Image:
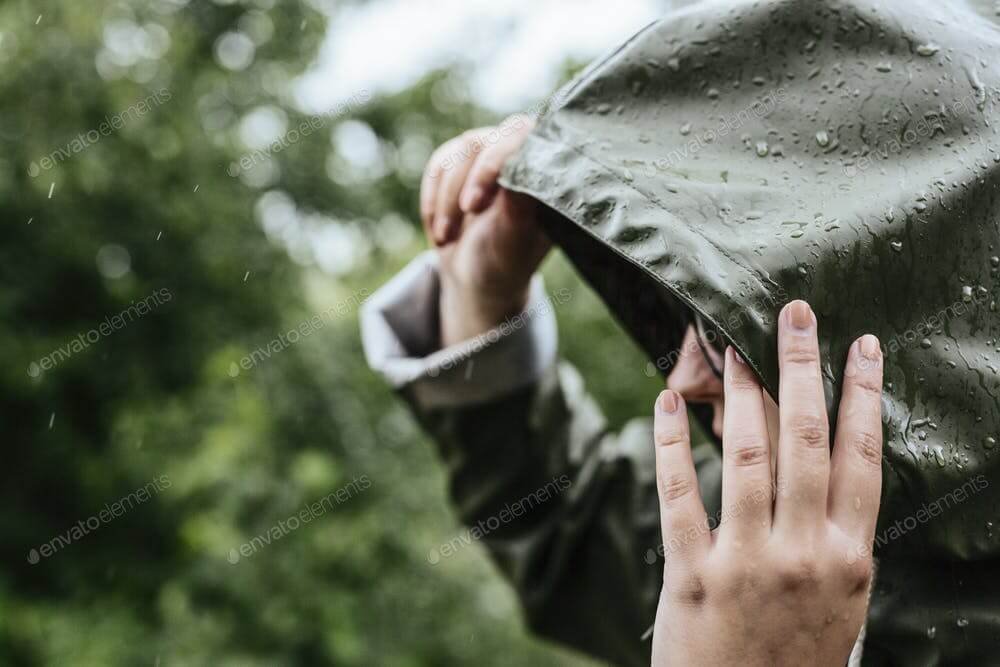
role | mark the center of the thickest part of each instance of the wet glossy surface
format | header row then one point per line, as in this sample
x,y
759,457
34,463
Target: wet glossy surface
x,y
737,157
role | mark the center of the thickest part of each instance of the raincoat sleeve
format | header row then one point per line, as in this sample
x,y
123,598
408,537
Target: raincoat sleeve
x,y
566,507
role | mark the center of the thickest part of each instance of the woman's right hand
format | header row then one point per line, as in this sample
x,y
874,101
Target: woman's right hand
x,y
488,239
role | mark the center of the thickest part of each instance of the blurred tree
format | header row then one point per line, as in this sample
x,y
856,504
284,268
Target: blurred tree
x,y
123,125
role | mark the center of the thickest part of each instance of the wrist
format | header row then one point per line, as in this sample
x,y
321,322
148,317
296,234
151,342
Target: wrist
x,y
467,313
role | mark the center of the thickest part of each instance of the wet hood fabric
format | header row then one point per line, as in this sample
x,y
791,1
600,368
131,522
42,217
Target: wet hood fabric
x,y
735,156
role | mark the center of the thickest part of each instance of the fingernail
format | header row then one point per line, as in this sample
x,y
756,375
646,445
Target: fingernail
x,y
869,347
800,315
735,355
668,401
471,197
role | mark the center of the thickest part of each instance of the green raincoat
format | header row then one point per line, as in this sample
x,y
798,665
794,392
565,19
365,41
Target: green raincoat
x,y
727,159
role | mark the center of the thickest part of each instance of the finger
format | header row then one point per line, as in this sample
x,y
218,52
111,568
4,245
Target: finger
x,y
856,465
447,213
501,142
431,181
682,515
746,459
804,441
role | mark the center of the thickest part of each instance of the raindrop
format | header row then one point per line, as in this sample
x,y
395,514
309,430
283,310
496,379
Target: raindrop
x,y
962,622
940,457
994,261
896,245
884,67
686,129
762,149
713,93
990,442
925,343
931,631
822,138
927,50
967,293
674,64
796,234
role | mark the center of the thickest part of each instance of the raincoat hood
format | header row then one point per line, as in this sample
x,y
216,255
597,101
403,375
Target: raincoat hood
x,y
735,156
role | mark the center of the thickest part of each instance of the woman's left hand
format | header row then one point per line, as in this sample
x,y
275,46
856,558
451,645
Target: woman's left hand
x,y
784,579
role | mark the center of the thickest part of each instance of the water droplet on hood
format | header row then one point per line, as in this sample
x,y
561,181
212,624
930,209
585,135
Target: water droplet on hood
x,y
822,138
927,50
762,149
884,67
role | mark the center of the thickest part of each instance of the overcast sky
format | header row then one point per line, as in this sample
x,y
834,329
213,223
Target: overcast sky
x,y
515,46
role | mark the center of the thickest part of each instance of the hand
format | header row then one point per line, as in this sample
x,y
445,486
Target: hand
x,y
489,240
773,585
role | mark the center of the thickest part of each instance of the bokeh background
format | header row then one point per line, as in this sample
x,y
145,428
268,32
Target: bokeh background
x,y
164,200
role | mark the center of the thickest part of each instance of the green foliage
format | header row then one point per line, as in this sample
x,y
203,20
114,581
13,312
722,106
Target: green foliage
x,y
151,206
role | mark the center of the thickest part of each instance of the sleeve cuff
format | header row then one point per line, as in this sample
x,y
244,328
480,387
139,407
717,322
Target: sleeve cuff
x,y
399,332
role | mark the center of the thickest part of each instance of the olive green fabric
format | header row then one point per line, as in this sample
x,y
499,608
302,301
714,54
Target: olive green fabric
x,y
735,156
567,509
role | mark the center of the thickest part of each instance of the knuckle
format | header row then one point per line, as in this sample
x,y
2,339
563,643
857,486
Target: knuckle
x,y
669,437
810,430
473,140
688,588
674,486
798,572
801,353
746,451
743,380
868,447
858,575
869,386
